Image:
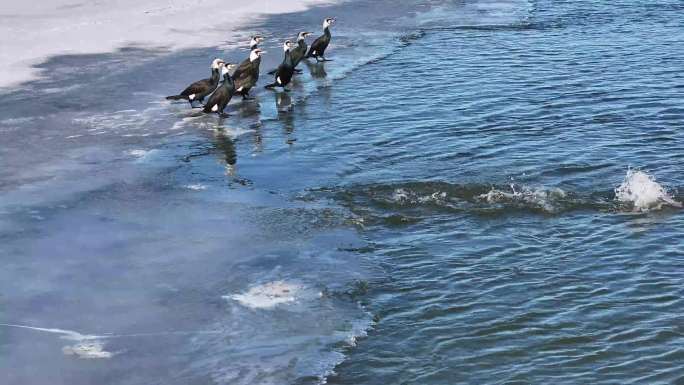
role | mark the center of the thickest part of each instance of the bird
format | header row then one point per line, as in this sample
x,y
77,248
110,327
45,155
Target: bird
x,y
255,41
221,97
299,51
201,88
285,70
319,45
247,73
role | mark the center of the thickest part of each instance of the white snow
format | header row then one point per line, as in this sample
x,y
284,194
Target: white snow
x,y
31,31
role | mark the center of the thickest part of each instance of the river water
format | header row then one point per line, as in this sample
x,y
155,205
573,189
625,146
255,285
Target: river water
x,y
471,192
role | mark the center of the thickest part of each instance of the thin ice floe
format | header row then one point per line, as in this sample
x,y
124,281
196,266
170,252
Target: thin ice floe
x,y
643,192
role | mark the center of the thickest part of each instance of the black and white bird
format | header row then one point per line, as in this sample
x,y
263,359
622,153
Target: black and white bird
x,y
285,70
221,97
319,45
255,41
247,73
201,88
299,51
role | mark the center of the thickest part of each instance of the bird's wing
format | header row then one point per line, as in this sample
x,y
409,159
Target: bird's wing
x,y
242,79
214,98
317,44
197,87
242,68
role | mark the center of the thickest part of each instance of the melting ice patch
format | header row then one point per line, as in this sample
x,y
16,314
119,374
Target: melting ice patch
x,y
643,192
271,294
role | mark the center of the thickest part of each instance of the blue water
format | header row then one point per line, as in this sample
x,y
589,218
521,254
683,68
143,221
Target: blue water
x,y
472,192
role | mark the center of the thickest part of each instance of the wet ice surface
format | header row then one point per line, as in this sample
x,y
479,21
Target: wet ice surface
x,y
483,229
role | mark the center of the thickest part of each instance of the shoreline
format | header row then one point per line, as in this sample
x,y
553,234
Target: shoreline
x,y
68,28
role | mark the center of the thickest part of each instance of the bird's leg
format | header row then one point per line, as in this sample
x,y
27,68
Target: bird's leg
x,y
324,59
223,114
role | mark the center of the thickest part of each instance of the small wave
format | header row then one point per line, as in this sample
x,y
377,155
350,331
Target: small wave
x,y
641,191
546,199
405,203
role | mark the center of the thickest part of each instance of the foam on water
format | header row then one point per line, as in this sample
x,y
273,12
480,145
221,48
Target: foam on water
x,y
643,192
196,187
87,349
271,294
86,345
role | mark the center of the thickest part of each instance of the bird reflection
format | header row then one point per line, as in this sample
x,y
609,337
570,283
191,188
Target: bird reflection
x,y
287,119
316,69
225,145
283,101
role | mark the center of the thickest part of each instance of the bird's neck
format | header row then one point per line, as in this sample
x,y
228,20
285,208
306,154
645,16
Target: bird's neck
x,y
326,31
215,75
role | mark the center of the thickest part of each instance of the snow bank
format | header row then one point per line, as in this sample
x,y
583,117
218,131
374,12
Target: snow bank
x,y
31,31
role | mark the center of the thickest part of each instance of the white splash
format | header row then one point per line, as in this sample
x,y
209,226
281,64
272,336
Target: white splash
x,y
641,190
403,196
268,295
540,197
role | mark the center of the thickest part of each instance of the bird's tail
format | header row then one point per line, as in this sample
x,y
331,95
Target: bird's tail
x,y
272,72
272,85
175,97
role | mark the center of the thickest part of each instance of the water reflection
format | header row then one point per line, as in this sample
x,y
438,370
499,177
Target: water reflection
x,y
317,70
283,101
